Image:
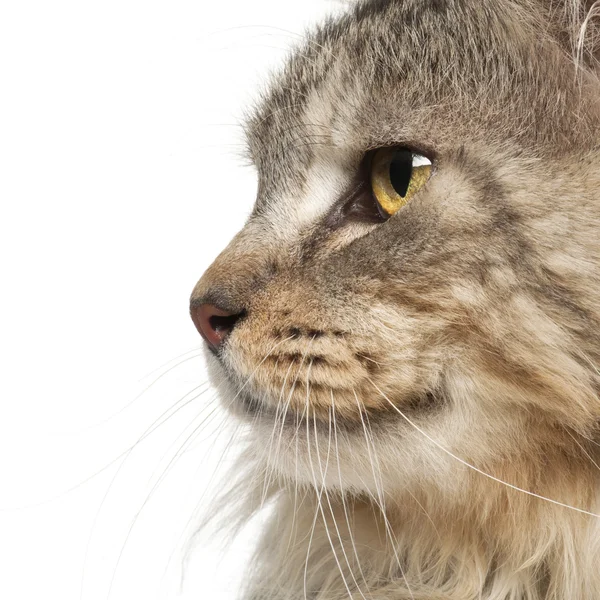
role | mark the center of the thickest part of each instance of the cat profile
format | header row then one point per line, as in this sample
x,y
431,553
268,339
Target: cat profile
x,y
409,322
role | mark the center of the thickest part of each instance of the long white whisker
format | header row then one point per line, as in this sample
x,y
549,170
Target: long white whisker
x,y
153,427
474,468
379,489
319,493
249,378
339,469
189,439
207,487
268,476
337,530
324,489
146,388
271,471
297,439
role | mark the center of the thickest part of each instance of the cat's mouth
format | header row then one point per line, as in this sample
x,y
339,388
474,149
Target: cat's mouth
x,y
290,385
327,384
254,409
290,419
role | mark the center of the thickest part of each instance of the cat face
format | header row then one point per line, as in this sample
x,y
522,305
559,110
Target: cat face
x,y
464,324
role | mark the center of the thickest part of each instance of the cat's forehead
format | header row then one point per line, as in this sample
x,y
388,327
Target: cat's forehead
x,y
427,74
330,94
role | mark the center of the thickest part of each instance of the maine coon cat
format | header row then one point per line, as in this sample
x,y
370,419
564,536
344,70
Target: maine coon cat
x,y
410,319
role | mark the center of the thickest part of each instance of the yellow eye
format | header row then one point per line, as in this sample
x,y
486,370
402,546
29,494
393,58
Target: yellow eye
x,y
397,174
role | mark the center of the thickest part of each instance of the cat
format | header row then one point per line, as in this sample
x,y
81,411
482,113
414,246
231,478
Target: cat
x,y
409,322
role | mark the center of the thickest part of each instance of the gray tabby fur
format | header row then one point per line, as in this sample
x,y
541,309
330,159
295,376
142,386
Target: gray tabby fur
x,y
422,393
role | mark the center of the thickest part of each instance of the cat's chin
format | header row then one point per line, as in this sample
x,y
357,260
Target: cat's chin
x,y
339,455
361,453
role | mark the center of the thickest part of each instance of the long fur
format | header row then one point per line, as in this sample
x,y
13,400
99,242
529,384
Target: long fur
x,y
422,394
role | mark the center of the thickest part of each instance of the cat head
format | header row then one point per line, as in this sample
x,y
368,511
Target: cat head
x,y
419,279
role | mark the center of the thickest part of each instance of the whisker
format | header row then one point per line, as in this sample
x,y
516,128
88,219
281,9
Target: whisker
x,y
287,404
272,436
477,470
297,440
153,427
150,494
319,493
197,349
144,390
293,387
324,489
342,494
379,489
248,379
174,458
200,501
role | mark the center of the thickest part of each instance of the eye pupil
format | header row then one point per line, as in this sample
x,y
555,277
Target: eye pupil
x,y
401,171
396,175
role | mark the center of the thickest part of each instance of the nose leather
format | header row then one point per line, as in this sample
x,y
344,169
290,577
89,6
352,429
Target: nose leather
x,y
213,323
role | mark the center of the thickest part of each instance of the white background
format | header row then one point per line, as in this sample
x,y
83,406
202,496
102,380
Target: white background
x,y
120,181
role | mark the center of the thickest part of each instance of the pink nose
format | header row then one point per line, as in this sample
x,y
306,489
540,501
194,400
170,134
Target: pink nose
x,y
214,324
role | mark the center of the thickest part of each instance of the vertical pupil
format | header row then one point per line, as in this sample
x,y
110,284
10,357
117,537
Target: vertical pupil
x,y
401,171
